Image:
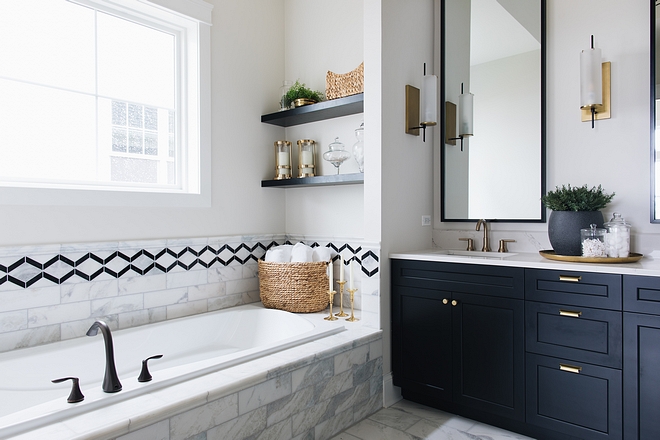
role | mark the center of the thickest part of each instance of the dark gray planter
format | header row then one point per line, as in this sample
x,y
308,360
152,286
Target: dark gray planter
x,y
564,229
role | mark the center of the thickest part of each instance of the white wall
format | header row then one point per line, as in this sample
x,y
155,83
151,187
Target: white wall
x,y
323,36
616,152
247,70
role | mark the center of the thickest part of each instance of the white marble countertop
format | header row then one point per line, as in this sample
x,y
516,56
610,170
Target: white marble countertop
x,y
646,266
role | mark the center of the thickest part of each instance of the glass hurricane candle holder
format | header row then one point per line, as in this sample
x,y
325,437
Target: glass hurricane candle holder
x,y
306,158
282,160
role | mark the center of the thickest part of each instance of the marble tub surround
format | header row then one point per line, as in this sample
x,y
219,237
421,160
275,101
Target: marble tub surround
x,y
312,391
55,292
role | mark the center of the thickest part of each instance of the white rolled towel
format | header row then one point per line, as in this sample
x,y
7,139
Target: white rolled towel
x,y
301,253
322,254
276,255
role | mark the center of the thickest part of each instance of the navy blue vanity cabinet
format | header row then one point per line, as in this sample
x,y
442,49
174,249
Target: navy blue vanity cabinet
x,y
458,337
574,360
641,322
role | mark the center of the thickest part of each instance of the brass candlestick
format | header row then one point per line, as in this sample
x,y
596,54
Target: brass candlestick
x,y
341,313
352,318
330,317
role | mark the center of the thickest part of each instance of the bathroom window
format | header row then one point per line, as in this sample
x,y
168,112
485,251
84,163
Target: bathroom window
x,y
101,95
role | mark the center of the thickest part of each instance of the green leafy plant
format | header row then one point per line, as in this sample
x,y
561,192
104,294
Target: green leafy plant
x,y
299,90
577,198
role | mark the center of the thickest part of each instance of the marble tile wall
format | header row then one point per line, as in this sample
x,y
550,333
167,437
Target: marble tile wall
x,y
55,292
300,401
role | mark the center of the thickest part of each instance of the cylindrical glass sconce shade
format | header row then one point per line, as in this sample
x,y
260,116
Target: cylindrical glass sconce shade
x,y
282,160
591,78
465,114
306,158
429,100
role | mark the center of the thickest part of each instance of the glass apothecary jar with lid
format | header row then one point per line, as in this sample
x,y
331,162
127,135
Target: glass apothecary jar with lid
x,y
618,237
593,241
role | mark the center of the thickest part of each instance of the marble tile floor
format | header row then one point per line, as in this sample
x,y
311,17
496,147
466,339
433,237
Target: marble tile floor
x,y
407,420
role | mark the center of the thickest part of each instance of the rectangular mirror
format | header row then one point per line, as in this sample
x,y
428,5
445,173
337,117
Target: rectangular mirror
x,y
495,50
655,82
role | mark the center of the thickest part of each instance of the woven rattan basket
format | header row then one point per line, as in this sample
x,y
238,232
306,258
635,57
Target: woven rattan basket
x,y
338,85
294,287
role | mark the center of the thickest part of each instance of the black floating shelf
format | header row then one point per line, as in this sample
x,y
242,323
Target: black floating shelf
x,y
302,182
335,108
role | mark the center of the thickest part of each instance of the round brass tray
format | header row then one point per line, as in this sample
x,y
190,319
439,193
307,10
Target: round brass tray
x,y
550,255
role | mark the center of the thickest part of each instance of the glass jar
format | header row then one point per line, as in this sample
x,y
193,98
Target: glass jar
x,y
336,154
358,147
593,241
618,237
286,85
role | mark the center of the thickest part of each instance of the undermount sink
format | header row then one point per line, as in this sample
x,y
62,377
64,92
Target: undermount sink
x,y
474,254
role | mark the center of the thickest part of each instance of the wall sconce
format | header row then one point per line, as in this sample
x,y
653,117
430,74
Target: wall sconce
x,y
465,118
429,105
595,78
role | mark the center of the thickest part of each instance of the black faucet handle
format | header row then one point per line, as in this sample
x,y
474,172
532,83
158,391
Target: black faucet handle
x,y
76,395
145,376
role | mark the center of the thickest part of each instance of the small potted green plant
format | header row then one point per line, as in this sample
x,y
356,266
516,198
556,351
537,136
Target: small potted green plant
x,y
573,208
299,95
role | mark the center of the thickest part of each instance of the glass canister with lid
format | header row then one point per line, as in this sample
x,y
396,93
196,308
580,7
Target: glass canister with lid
x,y
593,242
618,236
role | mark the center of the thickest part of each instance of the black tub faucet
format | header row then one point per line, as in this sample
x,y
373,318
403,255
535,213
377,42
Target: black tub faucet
x,y
111,382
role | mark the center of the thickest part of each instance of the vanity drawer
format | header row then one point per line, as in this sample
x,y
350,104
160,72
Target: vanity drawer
x,y
581,400
574,288
641,294
507,282
580,333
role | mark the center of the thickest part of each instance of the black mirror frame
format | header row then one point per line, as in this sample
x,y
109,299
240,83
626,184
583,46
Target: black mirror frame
x,y
652,112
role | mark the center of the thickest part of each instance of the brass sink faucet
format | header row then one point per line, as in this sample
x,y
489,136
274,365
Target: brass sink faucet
x,y
486,245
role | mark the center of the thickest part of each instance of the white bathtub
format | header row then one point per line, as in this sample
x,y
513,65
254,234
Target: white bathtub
x,y
191,347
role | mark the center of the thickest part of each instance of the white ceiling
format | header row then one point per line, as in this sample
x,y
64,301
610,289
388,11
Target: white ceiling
x,y
495,33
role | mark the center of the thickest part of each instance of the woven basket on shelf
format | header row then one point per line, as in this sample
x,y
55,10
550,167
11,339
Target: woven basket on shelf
x,y
294,287
339,85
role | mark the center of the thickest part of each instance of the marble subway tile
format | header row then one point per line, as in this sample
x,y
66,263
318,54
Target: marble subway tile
x,y
203,418
206,291
241,427
351,397
287,406
278,431
312,374
309,418
142,317
12,321
29,338
251,297
58,314
187,278
335,385
27,298
119,304
186,309
346,361
87,291
242,286
225,273
224,302
142,284
369,407
264,393
165,297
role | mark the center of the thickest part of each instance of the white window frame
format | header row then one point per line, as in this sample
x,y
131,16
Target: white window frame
x,y
194,17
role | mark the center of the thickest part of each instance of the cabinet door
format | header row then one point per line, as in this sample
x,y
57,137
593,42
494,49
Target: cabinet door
x,y
421,341
580,400
641,357
489,354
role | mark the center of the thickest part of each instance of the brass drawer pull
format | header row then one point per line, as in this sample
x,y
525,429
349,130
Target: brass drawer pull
x,y
570,368
570,278
571,313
